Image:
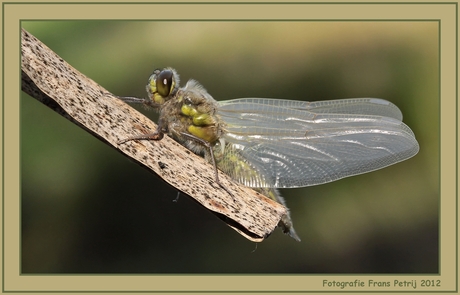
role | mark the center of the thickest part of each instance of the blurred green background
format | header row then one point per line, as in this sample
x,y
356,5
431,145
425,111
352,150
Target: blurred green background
x,y
87,209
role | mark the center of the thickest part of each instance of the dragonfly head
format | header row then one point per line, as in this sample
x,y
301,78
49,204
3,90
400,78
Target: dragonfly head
x,y
162,85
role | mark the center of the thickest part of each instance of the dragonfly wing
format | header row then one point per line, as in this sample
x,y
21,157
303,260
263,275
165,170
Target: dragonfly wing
x,y
358,106
295,144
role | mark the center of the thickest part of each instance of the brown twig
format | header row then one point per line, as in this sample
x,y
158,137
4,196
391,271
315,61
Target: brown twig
x,y
49,79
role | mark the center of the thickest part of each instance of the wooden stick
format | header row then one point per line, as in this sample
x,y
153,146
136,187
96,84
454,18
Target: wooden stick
x,y
49,79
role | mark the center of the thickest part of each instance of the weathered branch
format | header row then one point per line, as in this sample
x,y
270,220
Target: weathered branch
x,y
49,79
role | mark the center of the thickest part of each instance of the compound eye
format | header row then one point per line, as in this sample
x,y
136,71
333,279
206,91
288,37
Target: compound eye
x,y
164,82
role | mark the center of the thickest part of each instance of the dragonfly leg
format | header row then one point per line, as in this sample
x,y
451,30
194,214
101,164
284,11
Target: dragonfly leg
x,y
211,153
144,101
157,135
151,136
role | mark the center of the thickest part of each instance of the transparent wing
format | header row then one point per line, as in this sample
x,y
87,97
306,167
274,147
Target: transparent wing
x,y
296,143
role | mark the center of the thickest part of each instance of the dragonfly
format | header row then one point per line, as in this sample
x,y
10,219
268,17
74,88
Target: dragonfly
x,y
268,144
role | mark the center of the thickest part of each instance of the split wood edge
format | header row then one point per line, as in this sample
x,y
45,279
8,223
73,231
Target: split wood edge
x,y
49,79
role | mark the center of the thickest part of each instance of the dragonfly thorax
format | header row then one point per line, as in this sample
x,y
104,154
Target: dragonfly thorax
x,y
193,111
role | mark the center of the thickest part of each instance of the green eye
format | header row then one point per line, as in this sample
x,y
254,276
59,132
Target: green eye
x,y
164,82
